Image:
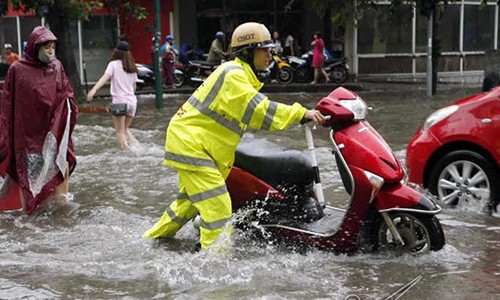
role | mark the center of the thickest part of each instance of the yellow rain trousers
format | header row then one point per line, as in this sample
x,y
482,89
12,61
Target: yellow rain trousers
x,y
201,141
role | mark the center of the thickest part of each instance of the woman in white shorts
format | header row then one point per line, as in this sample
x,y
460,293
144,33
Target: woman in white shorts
x,y
122,72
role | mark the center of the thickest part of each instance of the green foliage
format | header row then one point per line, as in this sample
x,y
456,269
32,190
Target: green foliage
x,y
136,11
79,9
72,9
343,11
3,7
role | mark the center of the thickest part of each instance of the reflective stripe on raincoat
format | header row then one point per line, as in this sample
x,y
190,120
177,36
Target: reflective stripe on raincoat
x,y
207,128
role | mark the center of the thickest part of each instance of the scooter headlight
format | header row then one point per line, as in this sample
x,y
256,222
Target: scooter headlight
x,y
358,108
439,115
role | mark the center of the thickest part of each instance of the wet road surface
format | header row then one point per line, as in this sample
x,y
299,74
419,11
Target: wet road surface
x,y
96,250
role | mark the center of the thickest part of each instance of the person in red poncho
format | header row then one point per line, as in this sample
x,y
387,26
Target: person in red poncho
x,y
38,115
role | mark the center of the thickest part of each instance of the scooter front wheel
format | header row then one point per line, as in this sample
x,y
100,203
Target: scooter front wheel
x,y
419,232
178,80
285,75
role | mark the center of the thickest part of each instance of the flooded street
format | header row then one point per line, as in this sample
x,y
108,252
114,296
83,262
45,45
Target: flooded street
x,y
96,251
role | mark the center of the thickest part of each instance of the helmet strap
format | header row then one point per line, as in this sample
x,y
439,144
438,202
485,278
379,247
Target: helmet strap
x,y
247,55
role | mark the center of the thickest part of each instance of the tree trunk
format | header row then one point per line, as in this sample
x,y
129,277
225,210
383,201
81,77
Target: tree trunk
x,y
436,50
60,25
327,29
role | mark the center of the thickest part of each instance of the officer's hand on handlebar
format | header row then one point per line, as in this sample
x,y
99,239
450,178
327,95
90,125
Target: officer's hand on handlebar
x,y
315,116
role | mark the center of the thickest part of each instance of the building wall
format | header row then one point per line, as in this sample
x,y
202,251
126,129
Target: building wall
x,y
399,45
186,22
373,46
199,22
93,41
140,33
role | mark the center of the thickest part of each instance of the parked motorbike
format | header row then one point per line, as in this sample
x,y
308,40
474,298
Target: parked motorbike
x,y
278,69
336,68
146,76
280,189
197,71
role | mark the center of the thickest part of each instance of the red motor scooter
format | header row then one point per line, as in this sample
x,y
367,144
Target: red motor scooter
x,y
280,189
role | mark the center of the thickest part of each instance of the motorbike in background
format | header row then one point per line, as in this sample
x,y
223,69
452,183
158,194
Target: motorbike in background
x,y
278,69
146,76
278,190
197,71
336,68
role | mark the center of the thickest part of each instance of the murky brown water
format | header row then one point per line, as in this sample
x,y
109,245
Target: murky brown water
x,y
97,251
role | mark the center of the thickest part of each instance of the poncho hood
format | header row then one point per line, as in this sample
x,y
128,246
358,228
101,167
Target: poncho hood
x,y
38,36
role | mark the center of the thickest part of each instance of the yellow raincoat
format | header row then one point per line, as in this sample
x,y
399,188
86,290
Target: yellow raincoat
x,y
201,142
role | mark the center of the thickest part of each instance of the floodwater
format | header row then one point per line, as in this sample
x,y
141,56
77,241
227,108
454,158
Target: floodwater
x,y
96,250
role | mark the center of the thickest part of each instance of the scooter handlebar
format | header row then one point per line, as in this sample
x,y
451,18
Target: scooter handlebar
x,y
305,121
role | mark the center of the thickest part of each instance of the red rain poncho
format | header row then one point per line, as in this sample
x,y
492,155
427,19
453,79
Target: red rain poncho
x,y
38,115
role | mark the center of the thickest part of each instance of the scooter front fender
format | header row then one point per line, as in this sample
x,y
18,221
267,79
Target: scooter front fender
x,y
282,64
404,198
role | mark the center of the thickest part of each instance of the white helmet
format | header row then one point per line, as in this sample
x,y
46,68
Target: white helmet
x,y
251,35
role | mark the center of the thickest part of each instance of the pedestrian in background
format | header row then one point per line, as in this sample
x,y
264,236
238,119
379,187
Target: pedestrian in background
x,y
169,53
318,57
122,72
216,53
10,56
187,53
277,43
289,48
38,115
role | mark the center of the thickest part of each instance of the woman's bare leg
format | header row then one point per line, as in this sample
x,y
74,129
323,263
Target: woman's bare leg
x,y
324,74
130,137
316,74
21,198
119,122
63,188
58,199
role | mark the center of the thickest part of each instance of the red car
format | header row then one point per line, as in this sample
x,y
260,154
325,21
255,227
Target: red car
x,y
455,153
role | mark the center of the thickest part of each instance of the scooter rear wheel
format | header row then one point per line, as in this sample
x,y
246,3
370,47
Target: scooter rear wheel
x,y
338,74
420,233
302,74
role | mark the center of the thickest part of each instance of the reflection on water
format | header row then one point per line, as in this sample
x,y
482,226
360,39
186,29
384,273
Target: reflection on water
x,y
96,252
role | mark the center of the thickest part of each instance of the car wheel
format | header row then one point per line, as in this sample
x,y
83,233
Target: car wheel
x,y
465,178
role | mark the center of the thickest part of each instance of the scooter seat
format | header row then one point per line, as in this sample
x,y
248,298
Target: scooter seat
x,y
204,63
274,164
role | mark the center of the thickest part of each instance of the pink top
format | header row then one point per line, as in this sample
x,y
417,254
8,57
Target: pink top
x,y
317,61
122,83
